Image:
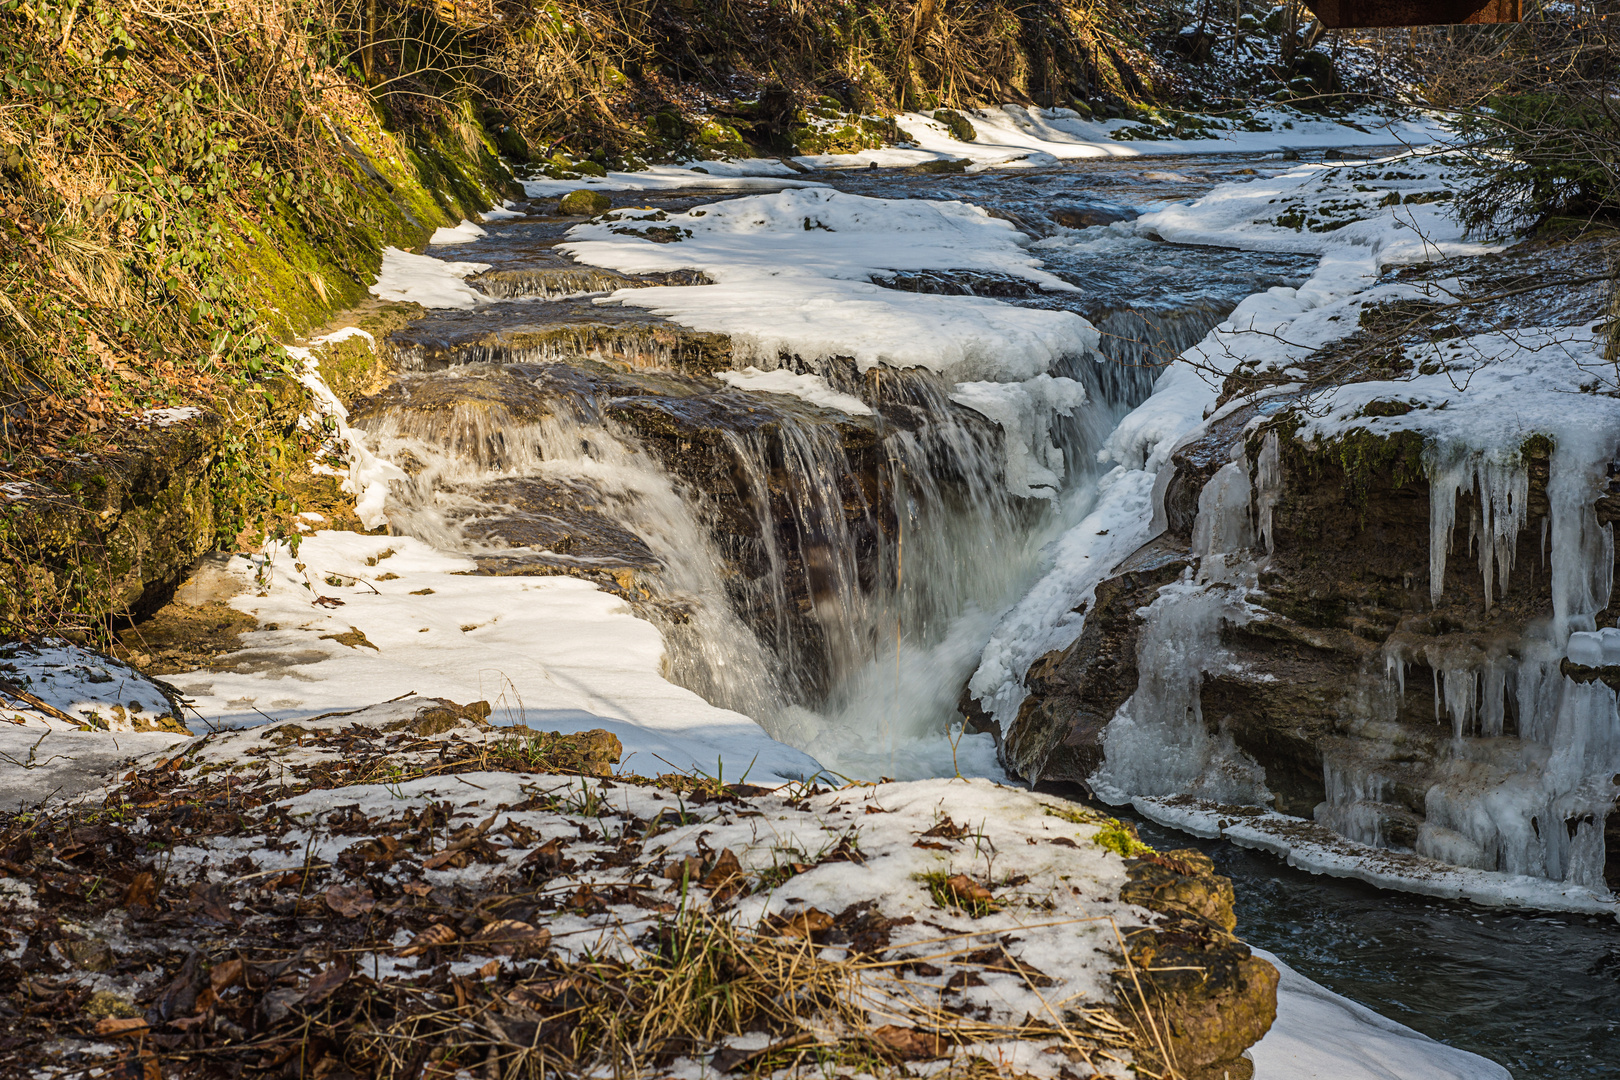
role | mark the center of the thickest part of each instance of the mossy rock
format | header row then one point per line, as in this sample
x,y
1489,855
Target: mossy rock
x,y
584,202
961,128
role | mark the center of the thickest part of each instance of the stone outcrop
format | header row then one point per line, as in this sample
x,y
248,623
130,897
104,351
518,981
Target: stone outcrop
x,y
1195,993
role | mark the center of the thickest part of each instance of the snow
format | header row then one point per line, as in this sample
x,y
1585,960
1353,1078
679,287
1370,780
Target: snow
x,y
96,689
169,417
1019,136
793,277
464,233
742,174
422,279
811,388
555,653
1270,330
369,475
1319,1035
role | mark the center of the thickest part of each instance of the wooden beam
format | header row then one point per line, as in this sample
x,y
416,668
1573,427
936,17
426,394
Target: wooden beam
x,y
1363,14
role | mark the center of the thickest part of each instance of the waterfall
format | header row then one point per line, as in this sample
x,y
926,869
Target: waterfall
x,y
835,579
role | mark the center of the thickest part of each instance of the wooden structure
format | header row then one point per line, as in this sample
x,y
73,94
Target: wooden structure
x,y
1360,14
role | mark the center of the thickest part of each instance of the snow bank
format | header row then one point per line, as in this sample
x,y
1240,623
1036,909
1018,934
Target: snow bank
x,y
1319,1035
1018,135
554,652
464,233
422,279
96,690
793,277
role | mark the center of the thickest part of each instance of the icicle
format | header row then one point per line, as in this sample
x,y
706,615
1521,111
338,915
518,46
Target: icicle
x,y
1500,490
1493,702
1268,486
1223,523
1157,743
1582,550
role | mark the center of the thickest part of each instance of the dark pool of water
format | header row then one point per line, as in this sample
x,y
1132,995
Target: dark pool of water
x,y
1538,993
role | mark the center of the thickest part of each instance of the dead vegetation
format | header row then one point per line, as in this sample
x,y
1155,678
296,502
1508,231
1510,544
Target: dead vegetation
x,y
361,967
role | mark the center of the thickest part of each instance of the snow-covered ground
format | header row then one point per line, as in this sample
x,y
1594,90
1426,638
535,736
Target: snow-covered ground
x,y
355,619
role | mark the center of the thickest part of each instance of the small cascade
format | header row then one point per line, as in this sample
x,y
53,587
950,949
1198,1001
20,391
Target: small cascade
x,y
823,573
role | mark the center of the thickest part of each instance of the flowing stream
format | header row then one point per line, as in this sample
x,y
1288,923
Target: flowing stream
x,y
837,578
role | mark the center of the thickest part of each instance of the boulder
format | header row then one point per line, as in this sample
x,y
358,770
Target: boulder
x,y
584,203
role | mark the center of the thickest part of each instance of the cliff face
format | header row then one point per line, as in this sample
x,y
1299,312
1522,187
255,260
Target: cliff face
x,y
1400,682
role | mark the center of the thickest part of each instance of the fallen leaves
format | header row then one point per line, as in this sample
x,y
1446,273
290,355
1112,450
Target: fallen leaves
x,y
433,937
350,901
122,1027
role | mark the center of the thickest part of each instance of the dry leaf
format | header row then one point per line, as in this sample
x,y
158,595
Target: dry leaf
x,y
350,901
966,888
121,1025
724,869
226,975
508,937
322,985
909,1044
143,890
434,936
804,923
490,970
417,888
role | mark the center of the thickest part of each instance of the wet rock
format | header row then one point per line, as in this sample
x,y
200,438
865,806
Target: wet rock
x,y
1074,692
584,202
558,517
935,168
486,394
562,330
1084,217
550,282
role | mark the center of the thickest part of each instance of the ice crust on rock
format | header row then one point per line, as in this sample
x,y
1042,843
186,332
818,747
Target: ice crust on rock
x,y
1025,411
793,277
806,387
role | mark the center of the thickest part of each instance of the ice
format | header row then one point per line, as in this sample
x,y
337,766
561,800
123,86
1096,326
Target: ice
x,y
1225,523
422,279
1498,488
1586,647
807,387
1319,1035
793,282
1157,744
369,476
1268,483
1025,411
